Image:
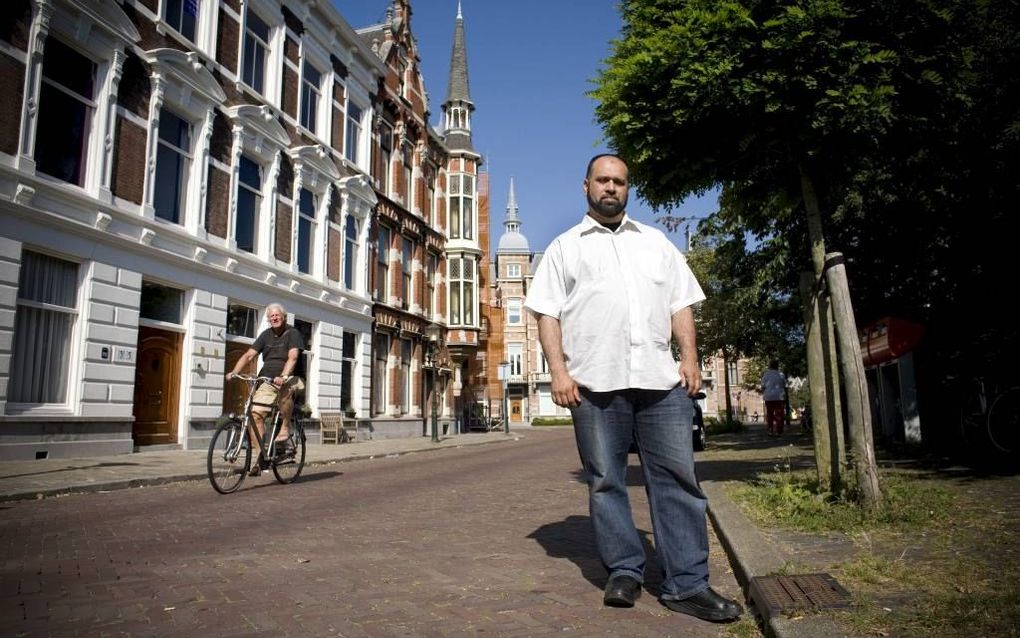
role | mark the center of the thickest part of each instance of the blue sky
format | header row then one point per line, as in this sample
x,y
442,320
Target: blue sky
x,y
530,63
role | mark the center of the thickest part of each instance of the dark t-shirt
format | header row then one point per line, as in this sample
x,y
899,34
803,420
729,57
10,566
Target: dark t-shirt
x,y
274,349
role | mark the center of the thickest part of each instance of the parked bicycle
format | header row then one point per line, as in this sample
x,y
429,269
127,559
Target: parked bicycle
x,y
991,415
230,450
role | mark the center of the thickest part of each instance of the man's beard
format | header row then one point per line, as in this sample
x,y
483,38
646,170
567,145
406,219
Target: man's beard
x,y
608,209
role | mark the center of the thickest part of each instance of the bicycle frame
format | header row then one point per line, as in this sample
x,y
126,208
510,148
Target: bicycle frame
x,y
248,419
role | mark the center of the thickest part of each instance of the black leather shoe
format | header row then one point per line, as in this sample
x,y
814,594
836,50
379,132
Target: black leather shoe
x,y
622,591
707,605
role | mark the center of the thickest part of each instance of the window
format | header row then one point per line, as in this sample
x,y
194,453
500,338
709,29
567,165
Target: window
x,y
66,108
429,205
543,363
44,322
350,251
406,263
256,50
242,326
242,321
249,202
515,356
305,230
173,159
386,145
311,88
352,139
513,311
382,350
462,207
432,266
732,372
513,270
305,328
462,291
347,367
182,15
404,382
382,275
161,303
408,181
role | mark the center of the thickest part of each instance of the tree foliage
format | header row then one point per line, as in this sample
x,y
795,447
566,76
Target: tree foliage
x,y
905,114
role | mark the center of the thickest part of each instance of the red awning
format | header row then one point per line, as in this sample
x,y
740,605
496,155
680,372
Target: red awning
x,y
887,339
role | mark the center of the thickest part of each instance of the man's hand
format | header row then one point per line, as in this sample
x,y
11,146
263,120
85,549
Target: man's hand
x,y
564,391
228,376
690,376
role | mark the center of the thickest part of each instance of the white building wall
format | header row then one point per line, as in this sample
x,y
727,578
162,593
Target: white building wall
x,y
10,266
205,362
329,367
111,339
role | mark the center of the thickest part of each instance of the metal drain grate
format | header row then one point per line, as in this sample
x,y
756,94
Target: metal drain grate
x,y
803,592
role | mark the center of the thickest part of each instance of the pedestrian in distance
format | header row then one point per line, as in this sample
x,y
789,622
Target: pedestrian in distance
x,y
773,390
607,296
280,346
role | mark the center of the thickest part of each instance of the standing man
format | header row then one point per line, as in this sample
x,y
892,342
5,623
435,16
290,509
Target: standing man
x,y
280,346
607,296
773,390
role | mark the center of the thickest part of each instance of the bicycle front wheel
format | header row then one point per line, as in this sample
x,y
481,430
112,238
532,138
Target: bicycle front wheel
x,y
229,457
290,458
1004,421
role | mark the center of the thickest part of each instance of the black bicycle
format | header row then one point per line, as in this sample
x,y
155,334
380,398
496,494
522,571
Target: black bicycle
x,y
991,414
230,450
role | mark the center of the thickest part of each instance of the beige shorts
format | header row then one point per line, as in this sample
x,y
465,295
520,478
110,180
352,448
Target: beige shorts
x,y
266,394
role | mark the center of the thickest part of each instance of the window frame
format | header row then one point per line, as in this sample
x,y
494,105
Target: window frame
x,y
314,124
84,168
184,177
354,144
513,305
406,271
382,260
380,377
311,218
257,210
72,355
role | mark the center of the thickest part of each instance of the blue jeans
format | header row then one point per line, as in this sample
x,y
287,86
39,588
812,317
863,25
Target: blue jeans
x,y
659,421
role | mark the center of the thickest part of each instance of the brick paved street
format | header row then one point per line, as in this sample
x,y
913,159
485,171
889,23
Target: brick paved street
x,y
487,540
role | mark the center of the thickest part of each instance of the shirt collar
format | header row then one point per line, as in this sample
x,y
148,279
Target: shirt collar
x,y
588,225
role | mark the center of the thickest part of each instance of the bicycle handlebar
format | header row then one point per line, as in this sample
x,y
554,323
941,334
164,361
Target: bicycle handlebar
x,y
253,379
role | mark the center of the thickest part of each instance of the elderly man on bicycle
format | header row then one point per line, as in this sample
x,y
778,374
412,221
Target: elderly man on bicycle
x,y
280,346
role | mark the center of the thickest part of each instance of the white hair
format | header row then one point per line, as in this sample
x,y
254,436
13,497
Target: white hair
x,y
278,306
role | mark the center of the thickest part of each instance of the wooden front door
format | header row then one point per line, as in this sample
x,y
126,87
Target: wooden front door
x,y
236,392
157,386
515,410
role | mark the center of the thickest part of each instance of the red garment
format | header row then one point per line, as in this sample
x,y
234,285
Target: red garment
x,y
775,416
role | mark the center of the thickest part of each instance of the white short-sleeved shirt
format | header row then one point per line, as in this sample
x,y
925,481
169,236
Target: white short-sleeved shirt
x,y
614,293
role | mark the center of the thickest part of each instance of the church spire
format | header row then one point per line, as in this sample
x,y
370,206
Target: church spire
x,y
457,107
513,222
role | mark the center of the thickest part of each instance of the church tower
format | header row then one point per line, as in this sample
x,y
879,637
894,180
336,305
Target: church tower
x,y
467,245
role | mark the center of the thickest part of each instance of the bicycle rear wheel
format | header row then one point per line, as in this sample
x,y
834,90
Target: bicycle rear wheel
x,y
1004,421
229,457
290,458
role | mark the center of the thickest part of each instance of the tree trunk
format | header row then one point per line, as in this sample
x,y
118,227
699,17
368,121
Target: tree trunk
x,y
861,440
726,387
828,469
837,442
863,459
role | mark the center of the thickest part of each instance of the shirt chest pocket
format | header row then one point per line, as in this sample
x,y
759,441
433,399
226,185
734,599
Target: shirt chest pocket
x,y
652,270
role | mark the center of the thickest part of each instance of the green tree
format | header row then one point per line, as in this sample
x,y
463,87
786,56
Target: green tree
x,y
893,126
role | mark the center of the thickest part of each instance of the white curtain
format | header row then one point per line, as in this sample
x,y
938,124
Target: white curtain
x,y
47,290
